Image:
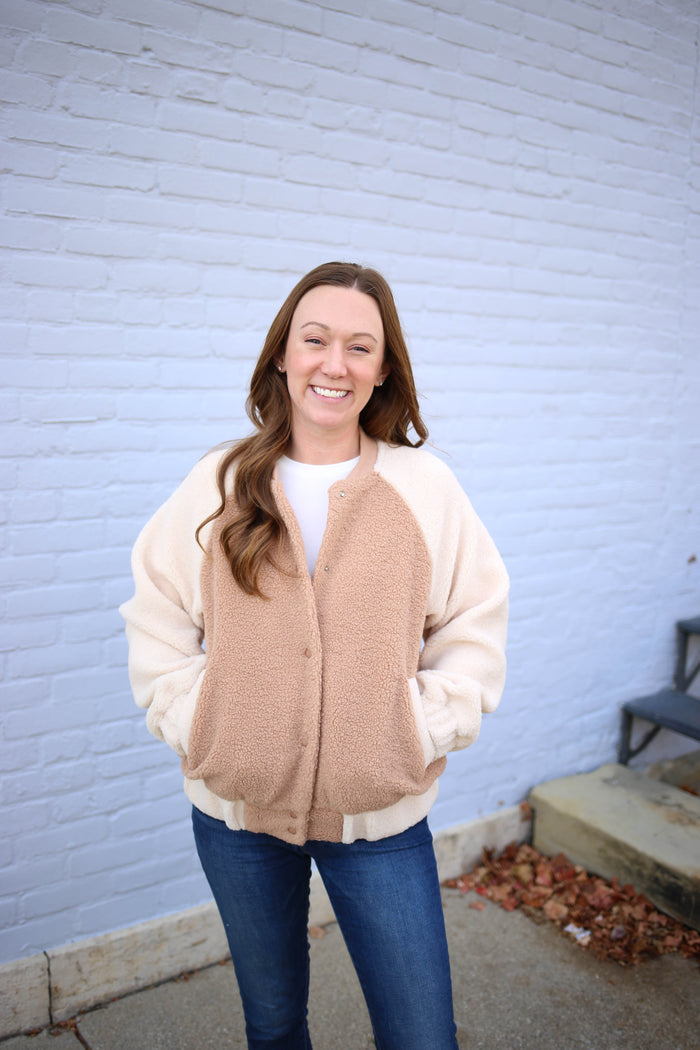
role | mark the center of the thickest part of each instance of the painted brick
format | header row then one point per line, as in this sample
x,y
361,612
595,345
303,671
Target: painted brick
x,y
31,161
243,157
99,103
260,192
56,129
144,78
119,243
198,88
44,56
18,14
289,13
408,16
260,69
299,47
200,184
179,18
22,196
109,172
22,89
102,33
217,24
149,211
149,278
470,32
72,273
28,234
349,25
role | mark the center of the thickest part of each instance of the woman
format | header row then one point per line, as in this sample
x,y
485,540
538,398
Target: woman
x,y
353,610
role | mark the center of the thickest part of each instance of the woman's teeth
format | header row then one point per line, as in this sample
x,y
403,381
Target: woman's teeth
x,y
325,392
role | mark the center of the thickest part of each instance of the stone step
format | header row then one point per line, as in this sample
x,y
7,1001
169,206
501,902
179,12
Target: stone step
x,y
620,822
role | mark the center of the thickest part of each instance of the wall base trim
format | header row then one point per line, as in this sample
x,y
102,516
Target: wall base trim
x,y
57,984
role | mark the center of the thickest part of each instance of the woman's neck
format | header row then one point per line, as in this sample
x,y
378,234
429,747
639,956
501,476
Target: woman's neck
x,y
324,448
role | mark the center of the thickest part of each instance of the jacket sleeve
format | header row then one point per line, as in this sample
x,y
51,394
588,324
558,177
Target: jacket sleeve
x,y
462,664
164,620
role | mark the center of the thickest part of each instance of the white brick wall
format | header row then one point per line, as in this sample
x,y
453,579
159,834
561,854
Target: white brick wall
x,y
526,175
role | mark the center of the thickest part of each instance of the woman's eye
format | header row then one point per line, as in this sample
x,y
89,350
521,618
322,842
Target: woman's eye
x,y
360,349
313,341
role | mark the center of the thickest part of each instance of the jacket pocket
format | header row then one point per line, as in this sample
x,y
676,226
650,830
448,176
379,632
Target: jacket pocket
x,y
375,749
429,752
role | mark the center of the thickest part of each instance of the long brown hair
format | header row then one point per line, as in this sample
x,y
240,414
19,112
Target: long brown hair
x,y
257,527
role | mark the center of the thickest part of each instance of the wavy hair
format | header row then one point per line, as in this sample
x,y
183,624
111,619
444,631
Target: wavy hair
x,y
257,528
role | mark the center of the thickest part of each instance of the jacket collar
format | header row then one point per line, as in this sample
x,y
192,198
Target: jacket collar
x,y
365,464
368,457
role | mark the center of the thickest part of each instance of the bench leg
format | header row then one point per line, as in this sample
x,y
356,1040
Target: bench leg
x,y
623,751
679,678
684,676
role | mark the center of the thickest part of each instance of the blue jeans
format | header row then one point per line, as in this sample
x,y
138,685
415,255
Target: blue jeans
x,y
386,898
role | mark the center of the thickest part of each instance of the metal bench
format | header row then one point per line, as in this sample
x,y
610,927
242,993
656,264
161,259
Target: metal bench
x,y
669,708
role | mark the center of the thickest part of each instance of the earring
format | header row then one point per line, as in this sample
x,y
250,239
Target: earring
x,y
279,368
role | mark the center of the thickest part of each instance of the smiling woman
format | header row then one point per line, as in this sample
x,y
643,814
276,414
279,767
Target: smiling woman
x,y
312,649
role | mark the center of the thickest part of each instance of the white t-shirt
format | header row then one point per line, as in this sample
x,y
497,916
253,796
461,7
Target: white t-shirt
x,y
306,487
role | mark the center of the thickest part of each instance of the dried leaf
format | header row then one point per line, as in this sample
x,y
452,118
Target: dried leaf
x,y
562,868
544,875
501,893
555,910
524,873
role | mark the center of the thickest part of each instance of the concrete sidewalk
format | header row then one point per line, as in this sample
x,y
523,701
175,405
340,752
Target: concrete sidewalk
x,y
517,985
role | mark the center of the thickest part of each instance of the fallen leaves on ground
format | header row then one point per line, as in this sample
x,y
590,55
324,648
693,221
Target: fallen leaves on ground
x,y
611,921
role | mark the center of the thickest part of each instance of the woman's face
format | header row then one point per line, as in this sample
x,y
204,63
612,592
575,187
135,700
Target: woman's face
x,y
334,358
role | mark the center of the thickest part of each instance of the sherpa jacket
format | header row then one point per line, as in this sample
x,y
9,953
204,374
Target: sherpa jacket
x,y
327,710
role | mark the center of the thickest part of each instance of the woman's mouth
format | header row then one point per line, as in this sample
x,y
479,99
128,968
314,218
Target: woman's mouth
x,y
324,391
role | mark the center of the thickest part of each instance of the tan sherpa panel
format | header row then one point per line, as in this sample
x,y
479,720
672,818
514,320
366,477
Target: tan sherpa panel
x,y
305,703
371,582
255,729
462,665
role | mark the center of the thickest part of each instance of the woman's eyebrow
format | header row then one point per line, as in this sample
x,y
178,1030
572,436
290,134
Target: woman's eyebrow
x,y
327,328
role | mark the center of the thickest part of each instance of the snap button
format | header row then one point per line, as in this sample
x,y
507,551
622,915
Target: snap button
x,y
293,816
292,830
341,494
325,568
307,652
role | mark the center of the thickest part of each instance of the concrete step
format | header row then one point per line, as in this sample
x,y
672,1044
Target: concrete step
x,y
620,822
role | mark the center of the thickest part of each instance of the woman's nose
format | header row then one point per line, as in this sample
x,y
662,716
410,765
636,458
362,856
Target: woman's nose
x,y
334,361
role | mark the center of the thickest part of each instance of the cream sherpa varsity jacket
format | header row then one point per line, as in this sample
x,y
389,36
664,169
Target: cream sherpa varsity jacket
x,y
327,710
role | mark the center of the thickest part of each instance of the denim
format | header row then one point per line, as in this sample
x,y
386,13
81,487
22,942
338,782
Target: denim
x,y
386,898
